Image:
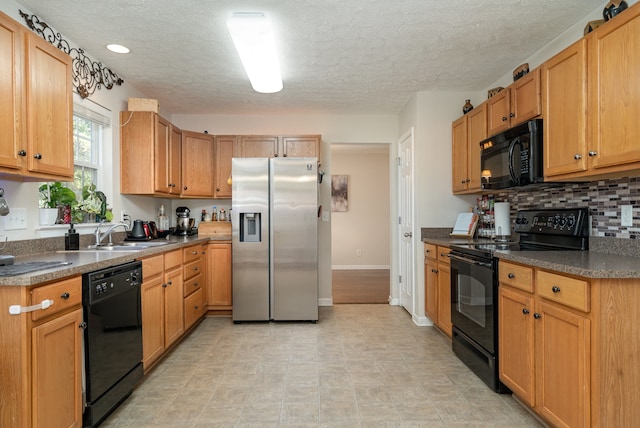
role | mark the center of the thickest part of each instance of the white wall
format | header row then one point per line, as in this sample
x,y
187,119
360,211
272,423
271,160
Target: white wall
x,y
365,226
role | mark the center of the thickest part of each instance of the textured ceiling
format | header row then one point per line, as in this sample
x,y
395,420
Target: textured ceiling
x,y
355,56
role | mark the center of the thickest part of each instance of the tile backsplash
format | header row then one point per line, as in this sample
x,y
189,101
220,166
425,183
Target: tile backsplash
x,y
604,199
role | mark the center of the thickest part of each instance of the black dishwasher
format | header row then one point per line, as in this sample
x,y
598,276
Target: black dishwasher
x,y
112,338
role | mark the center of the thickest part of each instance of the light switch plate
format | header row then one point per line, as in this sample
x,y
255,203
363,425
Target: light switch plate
x,y
16,219
626,215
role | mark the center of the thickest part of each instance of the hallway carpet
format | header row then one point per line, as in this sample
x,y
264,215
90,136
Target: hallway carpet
x,y
359,366
360,286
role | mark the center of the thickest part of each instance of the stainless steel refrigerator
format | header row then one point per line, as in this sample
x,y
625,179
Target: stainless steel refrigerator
x,y
275,239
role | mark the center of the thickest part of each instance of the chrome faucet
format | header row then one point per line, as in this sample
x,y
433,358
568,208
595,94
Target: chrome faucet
x,y
100,237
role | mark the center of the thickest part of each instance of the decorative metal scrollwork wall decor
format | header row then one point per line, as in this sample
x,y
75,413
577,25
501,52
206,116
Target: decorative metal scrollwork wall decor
x,y
88,75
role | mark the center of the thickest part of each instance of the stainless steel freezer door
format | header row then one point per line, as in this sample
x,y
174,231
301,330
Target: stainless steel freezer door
x,y
250,258
294,239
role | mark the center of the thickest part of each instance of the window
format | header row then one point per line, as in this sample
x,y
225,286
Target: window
x,y
87,140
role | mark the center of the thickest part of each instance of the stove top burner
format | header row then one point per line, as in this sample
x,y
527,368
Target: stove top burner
x,y
540,230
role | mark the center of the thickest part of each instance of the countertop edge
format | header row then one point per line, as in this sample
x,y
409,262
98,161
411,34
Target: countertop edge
x,y
88,261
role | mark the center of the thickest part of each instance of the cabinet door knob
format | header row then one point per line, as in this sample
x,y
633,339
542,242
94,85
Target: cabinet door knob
x,y
537,316
37,156
577,156
185,187
217,189
592,153
82,325
434,270
512,115
462,182
22,152
525,311
64,296
196,307
164,285
511,276
555,289
504,118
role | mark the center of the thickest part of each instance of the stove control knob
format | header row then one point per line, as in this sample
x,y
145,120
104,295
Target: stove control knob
x,y
98,289
571,221
556,220
563,222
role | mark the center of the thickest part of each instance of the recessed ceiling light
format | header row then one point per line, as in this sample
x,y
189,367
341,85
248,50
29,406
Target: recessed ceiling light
x,y
118,48
253,38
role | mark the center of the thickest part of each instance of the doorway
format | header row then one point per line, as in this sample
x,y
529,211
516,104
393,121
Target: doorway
x,y
360,223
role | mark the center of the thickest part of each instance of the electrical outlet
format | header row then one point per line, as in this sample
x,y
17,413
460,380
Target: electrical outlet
x,y
626,215
16,219
358,252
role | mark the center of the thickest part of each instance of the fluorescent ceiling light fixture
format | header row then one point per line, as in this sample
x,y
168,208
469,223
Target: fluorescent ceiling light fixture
x,y
253,38
118,48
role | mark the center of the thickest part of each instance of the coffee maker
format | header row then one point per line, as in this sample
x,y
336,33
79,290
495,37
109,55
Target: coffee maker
x,y
184,223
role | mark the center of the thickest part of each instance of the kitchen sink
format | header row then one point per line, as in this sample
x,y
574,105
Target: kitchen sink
x,y
143,243
118,247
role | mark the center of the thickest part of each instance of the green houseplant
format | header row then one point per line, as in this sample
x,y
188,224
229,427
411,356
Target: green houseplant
x,y
93,206
52,197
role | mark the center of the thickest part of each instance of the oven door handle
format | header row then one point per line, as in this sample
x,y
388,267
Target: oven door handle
x,y
470,261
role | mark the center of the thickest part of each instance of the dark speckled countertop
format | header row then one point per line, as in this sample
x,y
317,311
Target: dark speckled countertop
x,y
608,257
87,261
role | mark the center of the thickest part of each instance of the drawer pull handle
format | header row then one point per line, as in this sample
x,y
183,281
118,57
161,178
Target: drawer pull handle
x,y
194,252
64,296
525,311
511,276
555,289
195,268
195,284
537,316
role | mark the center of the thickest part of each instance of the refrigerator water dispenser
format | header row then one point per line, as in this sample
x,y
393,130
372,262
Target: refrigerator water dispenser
x,y
250,227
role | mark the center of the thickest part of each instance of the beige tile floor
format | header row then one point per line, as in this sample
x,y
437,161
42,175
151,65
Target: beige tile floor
x,y
360,366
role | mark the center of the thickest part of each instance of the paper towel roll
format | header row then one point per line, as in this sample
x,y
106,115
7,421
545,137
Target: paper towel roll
x,y
503,222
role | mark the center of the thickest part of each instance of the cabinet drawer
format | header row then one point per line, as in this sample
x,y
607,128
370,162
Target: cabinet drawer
x,y
193,308
193,268
516,276
191,253
568,291
172,259
430,251
65,294
443,255
193,284
152,266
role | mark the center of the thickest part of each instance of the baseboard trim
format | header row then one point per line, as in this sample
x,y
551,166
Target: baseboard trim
x,y
422,321
359,267
325,301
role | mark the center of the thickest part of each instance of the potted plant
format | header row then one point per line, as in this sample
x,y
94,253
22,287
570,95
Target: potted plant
x,y
52,197
93,207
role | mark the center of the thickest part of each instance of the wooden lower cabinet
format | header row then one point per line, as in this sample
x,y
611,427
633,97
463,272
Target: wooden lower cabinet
x,y
41,356
568,347
438,287
219,293
195,279
162,304
56,361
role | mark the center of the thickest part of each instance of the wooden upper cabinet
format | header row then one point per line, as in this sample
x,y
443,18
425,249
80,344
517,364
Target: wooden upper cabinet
x,y
49,108
36,107
175,160
11,94
226,147
197,165
614,97
258,146
302,147
467,132
459,155
564,83
146,157
519,102
162,155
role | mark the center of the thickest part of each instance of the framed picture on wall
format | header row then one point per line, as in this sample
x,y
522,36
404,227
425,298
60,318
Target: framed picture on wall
x,y
339,193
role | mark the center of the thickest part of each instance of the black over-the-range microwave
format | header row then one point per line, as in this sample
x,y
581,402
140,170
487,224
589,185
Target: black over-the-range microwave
x,y
513,158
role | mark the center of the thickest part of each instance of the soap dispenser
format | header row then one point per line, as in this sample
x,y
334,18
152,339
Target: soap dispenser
x,y
72,239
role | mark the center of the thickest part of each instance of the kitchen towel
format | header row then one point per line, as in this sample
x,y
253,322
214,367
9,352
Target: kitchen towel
x,y
502,218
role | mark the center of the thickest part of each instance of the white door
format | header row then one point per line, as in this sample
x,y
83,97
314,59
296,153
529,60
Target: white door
x,y
405,222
